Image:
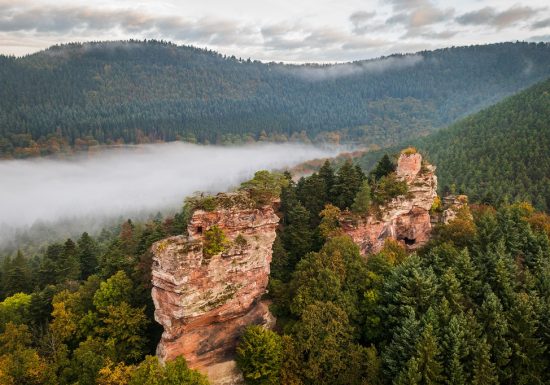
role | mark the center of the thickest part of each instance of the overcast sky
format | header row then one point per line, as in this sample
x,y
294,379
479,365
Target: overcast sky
x,y
280,30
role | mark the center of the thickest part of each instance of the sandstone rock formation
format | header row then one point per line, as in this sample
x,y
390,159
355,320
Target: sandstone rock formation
x,y
204,301
405,218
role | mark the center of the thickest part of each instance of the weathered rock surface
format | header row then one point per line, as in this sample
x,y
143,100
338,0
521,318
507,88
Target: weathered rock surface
x,y
405,218
204,302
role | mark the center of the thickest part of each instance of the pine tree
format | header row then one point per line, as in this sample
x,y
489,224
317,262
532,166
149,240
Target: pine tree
x,y
297,237
527,362
348,182
484,371
17,275
312,194
495,327
362,200
326,172
69,261
384,167
454,351
87,256
399,351
427,354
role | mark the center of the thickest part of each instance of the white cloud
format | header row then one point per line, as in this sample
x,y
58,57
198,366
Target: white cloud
x,y
288,30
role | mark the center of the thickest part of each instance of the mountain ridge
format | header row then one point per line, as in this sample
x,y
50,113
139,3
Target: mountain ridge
x,y
78,95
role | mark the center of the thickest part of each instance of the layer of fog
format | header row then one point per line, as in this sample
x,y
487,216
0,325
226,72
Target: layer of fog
x,y
134,180
313,72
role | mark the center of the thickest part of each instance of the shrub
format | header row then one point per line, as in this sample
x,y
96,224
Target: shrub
x,y
200,202
409,151
215,241
389,187
265,186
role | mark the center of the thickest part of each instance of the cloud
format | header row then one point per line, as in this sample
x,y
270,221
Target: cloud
x,y
498,19
416,16
81,19
541,24
443,35
361,21
136,178
330,72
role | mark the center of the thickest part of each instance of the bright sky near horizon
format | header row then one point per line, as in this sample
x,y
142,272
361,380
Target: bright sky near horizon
x,y
281,30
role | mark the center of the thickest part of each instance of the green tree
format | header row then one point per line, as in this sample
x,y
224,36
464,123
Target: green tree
x,y
19,363
69,263
495,327
87,256
427,354
362,200
297,237
123,327
323,339
259,356
17,275
15,309
176,372
484,370
113,291
326,172
348,183
384,167
265,186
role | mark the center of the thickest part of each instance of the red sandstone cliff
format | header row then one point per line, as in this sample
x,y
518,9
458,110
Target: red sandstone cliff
x,y
405,218
203,302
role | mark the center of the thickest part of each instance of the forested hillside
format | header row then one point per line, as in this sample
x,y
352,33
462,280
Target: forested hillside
x,y
498,154
78,95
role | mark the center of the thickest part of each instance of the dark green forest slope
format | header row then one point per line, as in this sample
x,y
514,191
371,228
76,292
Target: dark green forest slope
x,y
500,153
79,95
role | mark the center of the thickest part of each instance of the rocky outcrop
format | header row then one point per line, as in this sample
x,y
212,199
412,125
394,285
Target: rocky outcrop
x,y
405,218
204,301
452,204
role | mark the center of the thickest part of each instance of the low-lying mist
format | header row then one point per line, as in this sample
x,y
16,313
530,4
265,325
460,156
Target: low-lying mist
x,y
129,180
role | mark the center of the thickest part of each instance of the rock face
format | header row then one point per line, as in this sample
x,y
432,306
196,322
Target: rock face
x,y
204,302
405,218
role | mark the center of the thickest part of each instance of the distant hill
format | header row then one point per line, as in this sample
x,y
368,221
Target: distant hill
x,y
78,95
502,152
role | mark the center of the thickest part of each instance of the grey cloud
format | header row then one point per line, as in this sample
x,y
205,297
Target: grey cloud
x,y
417,15
361,21
439,35
541,24
499,19
64,20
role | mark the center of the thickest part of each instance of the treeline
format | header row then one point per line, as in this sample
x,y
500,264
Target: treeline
x,y
471,307
76,96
